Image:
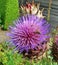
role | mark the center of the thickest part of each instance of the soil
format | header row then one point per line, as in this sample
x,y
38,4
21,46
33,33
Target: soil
x,y
3,36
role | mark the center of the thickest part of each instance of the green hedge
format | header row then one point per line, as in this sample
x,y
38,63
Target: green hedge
x,y
10,11
2,10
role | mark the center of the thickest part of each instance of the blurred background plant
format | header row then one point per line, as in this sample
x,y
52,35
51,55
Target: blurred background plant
x,y
2,10
0,21
54,48
9,11
9,57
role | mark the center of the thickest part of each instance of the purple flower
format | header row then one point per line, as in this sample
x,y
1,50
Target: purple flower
x,y
29,32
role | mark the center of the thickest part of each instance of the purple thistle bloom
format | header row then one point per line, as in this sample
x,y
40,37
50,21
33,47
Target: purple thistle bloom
x,y
29,32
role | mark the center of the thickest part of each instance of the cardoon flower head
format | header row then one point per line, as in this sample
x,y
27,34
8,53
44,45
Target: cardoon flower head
x,y
32,8
30,33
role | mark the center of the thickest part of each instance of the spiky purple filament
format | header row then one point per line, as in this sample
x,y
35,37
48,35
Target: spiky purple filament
x,y
29,33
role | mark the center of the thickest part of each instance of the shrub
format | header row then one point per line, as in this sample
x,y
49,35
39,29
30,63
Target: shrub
x,y
2,10
9,11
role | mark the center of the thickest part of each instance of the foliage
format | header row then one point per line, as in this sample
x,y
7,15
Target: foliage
x,y
9,10
54,48
7,57
0,21
44,61
2,10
